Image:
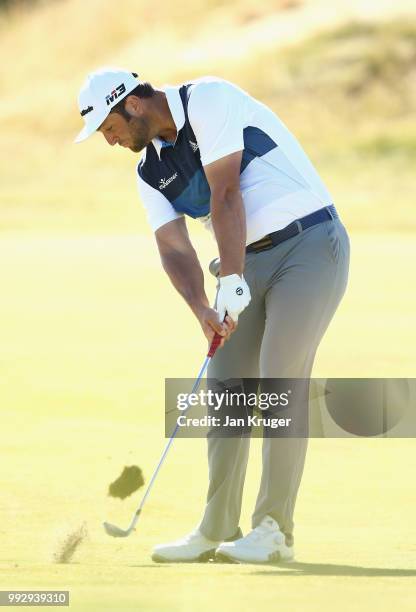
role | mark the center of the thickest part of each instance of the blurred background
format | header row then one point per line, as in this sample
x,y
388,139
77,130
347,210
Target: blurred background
x,y
90,326
341,74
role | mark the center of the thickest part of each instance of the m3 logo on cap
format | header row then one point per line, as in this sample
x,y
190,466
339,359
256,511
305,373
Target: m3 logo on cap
x,y
120,89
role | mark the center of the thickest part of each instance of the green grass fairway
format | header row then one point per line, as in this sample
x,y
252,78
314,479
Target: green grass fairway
x,y
90,329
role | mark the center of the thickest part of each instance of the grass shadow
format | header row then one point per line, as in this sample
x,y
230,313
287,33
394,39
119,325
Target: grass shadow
x,y
302,569
328,569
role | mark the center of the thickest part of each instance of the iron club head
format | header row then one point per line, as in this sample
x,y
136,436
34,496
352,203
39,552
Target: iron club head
x,y
117,532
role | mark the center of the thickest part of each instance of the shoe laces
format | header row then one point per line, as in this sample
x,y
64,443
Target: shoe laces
x,y
257,533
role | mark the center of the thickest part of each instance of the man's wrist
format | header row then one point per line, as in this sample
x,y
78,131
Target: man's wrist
x,y
228,270
199,307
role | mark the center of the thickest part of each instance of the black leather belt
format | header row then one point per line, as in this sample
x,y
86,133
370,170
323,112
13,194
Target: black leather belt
x,y
293,229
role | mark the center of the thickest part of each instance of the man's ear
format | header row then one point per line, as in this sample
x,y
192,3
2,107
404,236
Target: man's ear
x,y
133,106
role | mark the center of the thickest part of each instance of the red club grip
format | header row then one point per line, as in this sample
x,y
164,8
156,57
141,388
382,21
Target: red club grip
x,y
214,345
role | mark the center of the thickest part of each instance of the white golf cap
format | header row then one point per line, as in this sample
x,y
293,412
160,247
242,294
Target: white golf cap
x,y
102,90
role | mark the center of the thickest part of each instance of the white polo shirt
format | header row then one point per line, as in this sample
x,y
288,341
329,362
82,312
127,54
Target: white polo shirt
x,y
278,182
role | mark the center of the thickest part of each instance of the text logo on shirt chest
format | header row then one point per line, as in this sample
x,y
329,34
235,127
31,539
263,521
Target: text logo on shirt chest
x,y
163,183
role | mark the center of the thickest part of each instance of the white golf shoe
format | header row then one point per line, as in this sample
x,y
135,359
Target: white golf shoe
x,y
264,544
194,547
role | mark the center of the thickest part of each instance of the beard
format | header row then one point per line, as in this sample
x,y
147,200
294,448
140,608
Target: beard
x,y
139,134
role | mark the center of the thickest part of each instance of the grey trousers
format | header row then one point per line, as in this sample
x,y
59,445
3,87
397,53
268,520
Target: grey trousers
x,y
296,288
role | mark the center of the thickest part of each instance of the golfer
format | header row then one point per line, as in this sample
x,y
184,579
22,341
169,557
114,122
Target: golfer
x,y
213,152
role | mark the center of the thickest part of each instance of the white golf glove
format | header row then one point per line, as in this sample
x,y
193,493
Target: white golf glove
x,y
233,296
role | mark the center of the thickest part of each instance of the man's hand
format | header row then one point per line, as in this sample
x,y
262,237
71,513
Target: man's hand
x,y
233,296
182,266
211,324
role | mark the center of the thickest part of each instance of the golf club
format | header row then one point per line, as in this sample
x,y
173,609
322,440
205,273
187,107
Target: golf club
x,y
117,532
